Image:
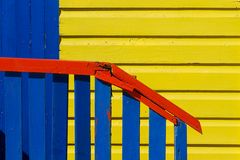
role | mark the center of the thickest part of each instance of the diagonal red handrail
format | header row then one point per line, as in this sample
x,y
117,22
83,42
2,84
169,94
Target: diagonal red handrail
x,y
109,73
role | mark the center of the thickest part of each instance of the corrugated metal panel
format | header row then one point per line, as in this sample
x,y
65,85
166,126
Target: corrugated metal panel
x,y
189,51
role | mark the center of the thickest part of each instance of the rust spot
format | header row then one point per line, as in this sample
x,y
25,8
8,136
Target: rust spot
x,y
109,115
105,66
134,76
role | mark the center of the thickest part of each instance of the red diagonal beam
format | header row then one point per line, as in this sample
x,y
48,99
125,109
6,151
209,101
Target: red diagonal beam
x,y
157,99
107,77
109,73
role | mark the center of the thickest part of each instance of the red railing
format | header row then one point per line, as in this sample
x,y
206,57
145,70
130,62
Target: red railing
x,y
107,74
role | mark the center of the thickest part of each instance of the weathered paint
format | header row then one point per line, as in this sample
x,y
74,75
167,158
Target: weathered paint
x,y
180,141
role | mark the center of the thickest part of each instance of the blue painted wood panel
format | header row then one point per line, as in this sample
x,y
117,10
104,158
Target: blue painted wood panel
x,y
82,117
2,119
49,110
180,141
51,29
36,86
131,128
23,50
51,51
9,28
36,102
60,114
23,28
102,120
37,28
157,136
12,104
38,39
9,49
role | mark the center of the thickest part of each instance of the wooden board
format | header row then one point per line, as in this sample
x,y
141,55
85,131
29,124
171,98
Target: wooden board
x,y
189,78
215,132
201,105
149,4
150,23
158,50
194,153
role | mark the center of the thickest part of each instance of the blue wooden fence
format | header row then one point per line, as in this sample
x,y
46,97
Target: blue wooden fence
x,y
33,107
38,127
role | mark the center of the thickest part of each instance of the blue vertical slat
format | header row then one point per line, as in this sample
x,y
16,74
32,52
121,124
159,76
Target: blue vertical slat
x,y
51,52
51,29
2,120
12,103
60,115
23,28
25,116
9,28
11,83
36,86
130,128
82,118
102,120
23,50
36,103
49,115
37,26
157,136
180,144
2,134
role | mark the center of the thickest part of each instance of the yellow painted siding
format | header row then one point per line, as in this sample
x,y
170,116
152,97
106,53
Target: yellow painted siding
x,y
149,4
196,153
228,133
202,105
188,51
150,23
190,78
162,50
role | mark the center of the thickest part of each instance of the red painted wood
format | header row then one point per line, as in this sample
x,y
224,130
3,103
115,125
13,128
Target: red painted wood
x,y
158,99
109,73
49,66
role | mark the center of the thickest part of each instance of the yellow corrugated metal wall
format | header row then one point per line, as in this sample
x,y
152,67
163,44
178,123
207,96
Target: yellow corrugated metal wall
x,y
187,50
